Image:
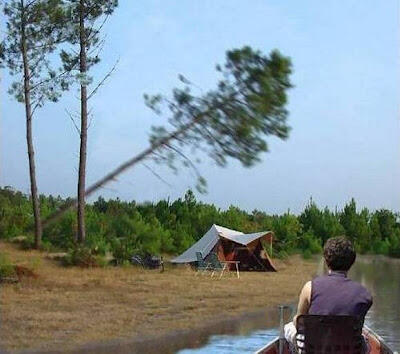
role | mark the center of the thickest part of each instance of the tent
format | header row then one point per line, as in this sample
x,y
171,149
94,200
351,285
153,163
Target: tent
x,y
232,245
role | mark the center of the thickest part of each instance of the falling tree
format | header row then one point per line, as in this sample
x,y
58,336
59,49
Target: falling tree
x,y
34,30
86,20
231,121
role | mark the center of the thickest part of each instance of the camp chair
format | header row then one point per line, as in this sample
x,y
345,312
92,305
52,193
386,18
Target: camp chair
x,y
329,334
216,265
202,266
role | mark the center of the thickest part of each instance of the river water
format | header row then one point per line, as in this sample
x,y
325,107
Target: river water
x,y
380,275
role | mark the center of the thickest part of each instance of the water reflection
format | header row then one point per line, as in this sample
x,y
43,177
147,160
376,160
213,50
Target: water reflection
x,y
381,276
235,344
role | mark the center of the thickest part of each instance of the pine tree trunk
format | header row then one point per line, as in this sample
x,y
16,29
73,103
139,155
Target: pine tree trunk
x,y
84,119
29,140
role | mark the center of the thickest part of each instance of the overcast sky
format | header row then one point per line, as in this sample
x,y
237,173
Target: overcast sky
x,y
344,109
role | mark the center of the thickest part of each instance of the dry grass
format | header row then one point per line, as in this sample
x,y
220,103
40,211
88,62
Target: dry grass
x,y
69,306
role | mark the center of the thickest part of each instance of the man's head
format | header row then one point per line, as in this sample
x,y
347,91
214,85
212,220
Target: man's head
x,y
339,253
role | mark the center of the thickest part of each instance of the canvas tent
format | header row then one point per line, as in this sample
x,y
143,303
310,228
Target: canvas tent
x,y
232,245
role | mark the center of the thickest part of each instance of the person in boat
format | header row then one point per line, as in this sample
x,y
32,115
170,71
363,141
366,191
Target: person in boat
x,y
334,293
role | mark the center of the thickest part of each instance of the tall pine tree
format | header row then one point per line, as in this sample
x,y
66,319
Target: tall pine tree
x,y
86,20
34,30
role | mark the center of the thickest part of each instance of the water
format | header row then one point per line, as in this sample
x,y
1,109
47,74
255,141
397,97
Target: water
x,y
235,344
378,274
381,276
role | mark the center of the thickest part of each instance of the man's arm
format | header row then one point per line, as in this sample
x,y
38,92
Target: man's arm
x,y
304,301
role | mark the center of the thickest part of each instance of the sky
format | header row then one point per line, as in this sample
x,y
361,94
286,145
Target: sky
x,y
344,108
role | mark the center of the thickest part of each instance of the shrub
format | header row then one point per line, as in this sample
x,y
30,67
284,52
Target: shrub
x,y
308,242
307,254
81,256
27,243
394,249
61,233
98,244
381,247
123,249
7,269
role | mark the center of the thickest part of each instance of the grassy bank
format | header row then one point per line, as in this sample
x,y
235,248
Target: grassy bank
x,y
64,307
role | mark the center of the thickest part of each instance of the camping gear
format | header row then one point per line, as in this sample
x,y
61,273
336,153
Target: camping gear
x,y
227,266
148,261
201,265
232,246
215,264
328,334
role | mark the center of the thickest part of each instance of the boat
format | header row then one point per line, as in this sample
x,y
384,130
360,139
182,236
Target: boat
x,y
281,346
339,331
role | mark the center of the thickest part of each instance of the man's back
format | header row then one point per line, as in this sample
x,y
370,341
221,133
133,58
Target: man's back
x,y
335,294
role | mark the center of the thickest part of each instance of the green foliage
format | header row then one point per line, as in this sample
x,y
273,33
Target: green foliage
x,y
122,250
82,256
62,233
287,230
394,248
7,269
15,213
27,243
322,223
126,228
232,121
94,14
309,243
307,254
40,23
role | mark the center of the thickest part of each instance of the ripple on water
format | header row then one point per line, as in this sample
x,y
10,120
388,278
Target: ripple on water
x,y
223,344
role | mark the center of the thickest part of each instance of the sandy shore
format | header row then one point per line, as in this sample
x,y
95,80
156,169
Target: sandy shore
x,y
67,308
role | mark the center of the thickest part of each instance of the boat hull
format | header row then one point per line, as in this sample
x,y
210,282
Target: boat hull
x,y
376,343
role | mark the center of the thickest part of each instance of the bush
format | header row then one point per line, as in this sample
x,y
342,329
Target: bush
x,y
394,249
7,269
27,243
308,242
123,249
83,256
307,254
281,254
98,244
61,233
381,247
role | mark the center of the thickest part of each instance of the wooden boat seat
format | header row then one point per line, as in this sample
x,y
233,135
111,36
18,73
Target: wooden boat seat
x,y
329,335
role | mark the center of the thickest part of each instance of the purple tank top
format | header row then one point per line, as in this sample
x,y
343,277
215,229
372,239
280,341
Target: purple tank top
x,y
335,294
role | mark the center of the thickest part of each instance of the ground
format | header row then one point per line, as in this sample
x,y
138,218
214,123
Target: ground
x,y
65,307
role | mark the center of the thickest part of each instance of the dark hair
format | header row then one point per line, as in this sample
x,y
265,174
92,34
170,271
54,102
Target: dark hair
x,y
339,253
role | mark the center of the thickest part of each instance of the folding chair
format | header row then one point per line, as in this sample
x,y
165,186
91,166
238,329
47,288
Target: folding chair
x,y
329,334
202,265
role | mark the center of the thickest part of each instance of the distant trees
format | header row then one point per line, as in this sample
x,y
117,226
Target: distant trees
x,y
322,223
123,228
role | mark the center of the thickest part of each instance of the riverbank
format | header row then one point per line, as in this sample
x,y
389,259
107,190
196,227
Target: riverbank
x,y
67,307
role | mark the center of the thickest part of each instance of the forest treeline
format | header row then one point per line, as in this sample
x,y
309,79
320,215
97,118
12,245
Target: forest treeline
x,y
169,227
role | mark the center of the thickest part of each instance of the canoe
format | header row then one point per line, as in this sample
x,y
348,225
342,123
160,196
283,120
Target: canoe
x,y
377,344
